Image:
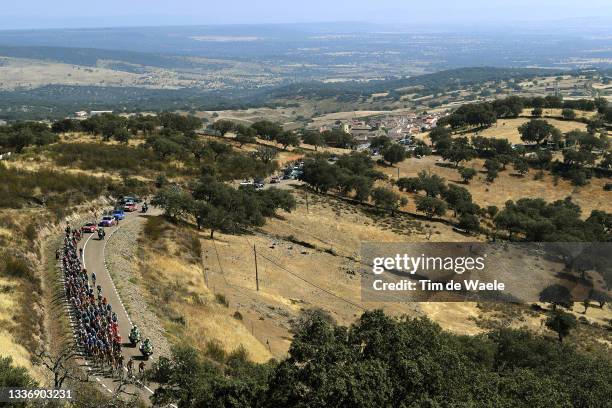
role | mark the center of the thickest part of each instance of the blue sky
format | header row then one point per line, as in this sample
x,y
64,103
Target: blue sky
x,y
106,13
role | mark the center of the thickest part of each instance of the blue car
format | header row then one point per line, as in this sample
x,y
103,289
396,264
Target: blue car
x,y
119,214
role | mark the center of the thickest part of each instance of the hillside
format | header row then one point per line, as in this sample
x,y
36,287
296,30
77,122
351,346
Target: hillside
x,y
243,281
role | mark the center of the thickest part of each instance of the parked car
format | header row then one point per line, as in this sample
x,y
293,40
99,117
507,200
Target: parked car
x,y
119,214
130,206
89,227
107,221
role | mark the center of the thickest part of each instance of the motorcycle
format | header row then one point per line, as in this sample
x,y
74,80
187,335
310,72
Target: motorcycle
x,y
101,234
146,351
134,339
144,208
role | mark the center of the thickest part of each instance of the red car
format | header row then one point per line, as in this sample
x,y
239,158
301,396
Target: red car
x,y
90,227
130,207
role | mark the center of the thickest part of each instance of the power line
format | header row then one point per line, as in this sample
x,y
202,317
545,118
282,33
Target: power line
x,y
312,284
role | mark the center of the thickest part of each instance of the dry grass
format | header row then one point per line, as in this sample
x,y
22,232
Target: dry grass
x,y
556,113
310,259
508,128
11,300
178,293
508,186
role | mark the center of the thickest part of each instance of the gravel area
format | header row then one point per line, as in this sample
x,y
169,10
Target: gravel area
x,y
121,259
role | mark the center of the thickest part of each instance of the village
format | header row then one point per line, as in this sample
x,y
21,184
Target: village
x,y
399,127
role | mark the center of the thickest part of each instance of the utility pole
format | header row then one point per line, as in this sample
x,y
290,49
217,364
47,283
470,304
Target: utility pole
x,y
256,272
306,203
398,173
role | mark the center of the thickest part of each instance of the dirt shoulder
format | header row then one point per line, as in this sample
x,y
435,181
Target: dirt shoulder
x,y
122,262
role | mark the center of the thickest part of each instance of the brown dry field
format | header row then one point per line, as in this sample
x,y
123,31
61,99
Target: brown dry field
x,y
508,129
177,291
508,186
557,113
295,277
325,273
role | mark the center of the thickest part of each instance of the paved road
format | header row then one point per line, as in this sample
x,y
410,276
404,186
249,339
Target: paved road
x,y
94,261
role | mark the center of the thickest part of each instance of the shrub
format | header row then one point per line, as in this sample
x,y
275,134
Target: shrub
x,y
215,350
16,267
154,228
95,156
53,189
221,299
12,376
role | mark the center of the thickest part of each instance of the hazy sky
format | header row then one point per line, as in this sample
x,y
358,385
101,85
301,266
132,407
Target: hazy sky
x,y
105,13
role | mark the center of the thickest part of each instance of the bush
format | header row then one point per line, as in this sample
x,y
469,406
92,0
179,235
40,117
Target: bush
x,y
16,267
154,228
221,299
578,177
31,231
215,351
96,156
12,376
53,189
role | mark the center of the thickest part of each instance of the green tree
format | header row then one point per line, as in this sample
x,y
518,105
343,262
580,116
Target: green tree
x,y
432,184
218,149
409,184
395,153
287,139
313,138
320,174
469,222
439,134
338,138
536,130
122,135
266,153
431,206
21,139
568,114
492,174
562,323
380,143
557,295
599,296
223,126
460,150
244,135
387,200
267,130
521,166
467,174
174,201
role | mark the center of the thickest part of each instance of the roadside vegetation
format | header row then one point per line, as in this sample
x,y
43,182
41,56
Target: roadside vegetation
x,y
380,361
